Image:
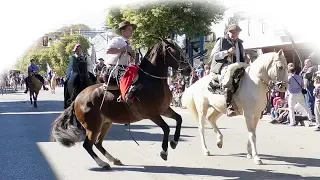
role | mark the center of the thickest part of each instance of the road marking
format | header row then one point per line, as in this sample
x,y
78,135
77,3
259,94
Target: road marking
x,y
22,113
58,112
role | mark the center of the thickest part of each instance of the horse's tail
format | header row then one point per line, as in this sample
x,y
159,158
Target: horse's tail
x,y
187,101
63,130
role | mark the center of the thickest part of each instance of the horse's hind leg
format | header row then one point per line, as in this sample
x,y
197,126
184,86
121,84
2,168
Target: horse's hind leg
x,y
104,131
166,130
170,113
35,97
202,112
213,117
88,144
31,98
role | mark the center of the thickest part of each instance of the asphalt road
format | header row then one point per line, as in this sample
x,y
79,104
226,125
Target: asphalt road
x,y
27,154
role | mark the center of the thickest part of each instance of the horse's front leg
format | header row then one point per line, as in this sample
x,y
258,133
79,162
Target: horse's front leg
x,y
170,113
213,117
252,122
35,97
166,130
30,97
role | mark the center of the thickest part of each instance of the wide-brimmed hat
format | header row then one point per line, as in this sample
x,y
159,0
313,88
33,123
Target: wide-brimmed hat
x,y
101,59
76,46
32,60
125,24
234,27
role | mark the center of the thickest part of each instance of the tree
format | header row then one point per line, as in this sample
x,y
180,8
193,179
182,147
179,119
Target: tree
x,y
57,56
162,19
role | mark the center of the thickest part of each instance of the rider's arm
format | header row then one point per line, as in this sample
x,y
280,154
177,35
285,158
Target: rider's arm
x,y
216,54
113,46
116,50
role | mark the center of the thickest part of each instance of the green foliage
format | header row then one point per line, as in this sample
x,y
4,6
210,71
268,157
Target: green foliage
x,y
57,55
162,19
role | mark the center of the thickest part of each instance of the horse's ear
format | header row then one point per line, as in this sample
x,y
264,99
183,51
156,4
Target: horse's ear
x,y
280,53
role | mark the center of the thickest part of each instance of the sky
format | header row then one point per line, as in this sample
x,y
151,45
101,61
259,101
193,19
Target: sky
x,y
24,21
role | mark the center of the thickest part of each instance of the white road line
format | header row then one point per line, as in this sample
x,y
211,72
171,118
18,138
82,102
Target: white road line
x,y
21,113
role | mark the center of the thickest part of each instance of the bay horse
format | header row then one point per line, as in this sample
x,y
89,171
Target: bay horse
x,y
269,69
98,109
35,86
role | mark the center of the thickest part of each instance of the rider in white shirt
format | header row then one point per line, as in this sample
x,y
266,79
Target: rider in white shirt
x,y
120,54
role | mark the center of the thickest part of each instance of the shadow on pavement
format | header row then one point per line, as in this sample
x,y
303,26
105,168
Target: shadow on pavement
x,y
20,155
121,132
250,174
25,106
293,161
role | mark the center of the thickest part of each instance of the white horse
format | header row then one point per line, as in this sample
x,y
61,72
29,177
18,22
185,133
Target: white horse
x,y
53,83
13,83
269,69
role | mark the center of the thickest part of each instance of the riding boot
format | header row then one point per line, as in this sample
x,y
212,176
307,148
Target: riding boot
x,y
230,109
132,92
27,85
26,91
66,97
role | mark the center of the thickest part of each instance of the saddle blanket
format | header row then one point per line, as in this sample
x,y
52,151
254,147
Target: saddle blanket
x,y
127,79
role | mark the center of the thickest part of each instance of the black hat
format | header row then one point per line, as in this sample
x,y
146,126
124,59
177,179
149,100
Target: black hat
x,y
125,24
234,27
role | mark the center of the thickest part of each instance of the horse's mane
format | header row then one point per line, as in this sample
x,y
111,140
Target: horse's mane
x,y
156,49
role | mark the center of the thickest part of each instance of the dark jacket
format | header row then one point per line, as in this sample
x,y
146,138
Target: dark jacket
x,y
221,46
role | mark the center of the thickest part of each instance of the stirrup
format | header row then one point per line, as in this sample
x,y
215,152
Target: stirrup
x,y
119,99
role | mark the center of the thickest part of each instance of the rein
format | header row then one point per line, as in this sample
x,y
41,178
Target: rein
x,y
179,61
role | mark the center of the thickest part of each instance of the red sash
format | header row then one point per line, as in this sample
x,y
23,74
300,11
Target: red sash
x,y
127,79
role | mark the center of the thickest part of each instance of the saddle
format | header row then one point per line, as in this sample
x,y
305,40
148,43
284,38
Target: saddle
x,y
215,84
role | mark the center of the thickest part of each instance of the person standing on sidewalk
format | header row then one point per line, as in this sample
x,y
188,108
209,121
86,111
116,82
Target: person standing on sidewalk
x,y
316,93
295,96
307,73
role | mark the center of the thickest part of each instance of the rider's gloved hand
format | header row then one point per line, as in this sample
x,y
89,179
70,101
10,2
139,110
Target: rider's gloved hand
x,y
232,51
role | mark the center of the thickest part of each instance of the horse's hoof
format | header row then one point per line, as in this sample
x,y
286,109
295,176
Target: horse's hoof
x,y
207,153
258,161
249,156
106,167
219,145
173,144
117,162
164,155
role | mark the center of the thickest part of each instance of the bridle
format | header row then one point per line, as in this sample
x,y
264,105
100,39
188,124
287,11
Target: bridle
x,y
165,51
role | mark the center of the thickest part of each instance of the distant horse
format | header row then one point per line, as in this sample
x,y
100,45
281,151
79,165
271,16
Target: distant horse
x,y
269,69
3,84
13,83
81,81
97,109
53,83
35,86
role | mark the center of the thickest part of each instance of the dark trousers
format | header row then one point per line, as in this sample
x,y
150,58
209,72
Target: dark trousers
x,y
310,99
38,76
